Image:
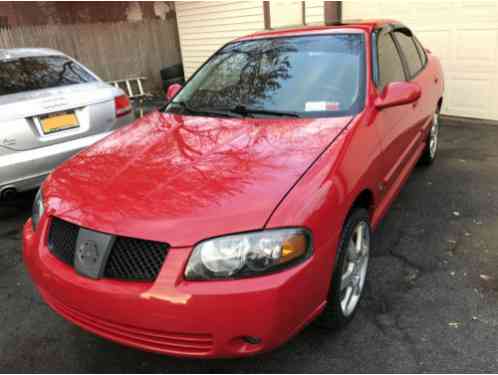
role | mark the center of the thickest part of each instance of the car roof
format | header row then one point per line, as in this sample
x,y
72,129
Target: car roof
x,y
367,25
13,53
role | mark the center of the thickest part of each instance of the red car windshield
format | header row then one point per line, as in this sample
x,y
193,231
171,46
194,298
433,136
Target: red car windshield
x,y
307,76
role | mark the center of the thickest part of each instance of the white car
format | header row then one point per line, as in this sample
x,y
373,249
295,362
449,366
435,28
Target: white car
x,y
51,107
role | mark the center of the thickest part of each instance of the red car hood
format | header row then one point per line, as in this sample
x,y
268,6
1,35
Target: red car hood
x,y
180,179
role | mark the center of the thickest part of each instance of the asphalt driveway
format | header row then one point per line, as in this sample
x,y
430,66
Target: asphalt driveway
x,y
431,303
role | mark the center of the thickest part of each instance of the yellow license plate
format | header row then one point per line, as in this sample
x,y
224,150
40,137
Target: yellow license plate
x,y
59,122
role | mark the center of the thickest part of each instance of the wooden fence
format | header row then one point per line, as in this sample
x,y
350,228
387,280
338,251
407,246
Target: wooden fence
x,y
112,50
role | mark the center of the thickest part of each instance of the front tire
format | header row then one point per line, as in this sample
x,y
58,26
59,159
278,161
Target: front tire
x,y
348,280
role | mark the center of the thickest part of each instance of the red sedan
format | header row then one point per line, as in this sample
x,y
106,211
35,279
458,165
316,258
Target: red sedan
x,y
225,223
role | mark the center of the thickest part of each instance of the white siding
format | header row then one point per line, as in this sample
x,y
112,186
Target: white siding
x,y
463,34
206,26
286,13
314,13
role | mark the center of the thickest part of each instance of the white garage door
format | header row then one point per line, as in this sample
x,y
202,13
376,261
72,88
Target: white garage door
x,y
464,34
205,26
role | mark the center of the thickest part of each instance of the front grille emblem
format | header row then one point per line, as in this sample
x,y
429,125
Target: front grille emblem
x,y
88,253
92,251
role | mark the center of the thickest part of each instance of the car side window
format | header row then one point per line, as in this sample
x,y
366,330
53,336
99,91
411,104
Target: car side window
x,y
421,51
390,65
409,50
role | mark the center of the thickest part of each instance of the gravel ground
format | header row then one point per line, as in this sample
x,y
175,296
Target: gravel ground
x,y
431,302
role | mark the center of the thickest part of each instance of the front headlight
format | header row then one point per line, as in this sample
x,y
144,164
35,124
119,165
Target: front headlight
x,y
38,209
248,254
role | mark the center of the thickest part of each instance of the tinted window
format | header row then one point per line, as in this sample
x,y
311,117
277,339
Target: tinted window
x,y
410,51
312,76
390,65
41,72
421,51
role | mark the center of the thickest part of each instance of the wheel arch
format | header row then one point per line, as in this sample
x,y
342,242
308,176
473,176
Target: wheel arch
x,y
363,199
440,103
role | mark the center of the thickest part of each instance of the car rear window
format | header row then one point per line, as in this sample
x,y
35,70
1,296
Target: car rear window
x,y
40,72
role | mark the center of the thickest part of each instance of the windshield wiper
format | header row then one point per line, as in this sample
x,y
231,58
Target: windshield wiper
x,y
239,111
246,111
205,111
186,107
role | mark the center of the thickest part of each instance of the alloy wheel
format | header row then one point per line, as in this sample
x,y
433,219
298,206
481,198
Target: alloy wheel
x,y
354,270
433,137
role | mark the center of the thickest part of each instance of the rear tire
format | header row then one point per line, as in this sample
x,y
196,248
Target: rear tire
x,y
350,272
432,145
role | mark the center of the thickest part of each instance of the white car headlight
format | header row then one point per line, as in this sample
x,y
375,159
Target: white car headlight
x,y
38,209
248,254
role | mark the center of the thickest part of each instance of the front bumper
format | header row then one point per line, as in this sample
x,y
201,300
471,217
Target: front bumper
x,y
174,316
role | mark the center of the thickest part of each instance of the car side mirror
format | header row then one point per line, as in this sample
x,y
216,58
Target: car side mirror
x,y
398,93
172,91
